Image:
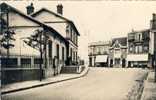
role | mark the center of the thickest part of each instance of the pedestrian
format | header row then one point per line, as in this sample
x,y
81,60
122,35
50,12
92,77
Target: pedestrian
x,y
55,64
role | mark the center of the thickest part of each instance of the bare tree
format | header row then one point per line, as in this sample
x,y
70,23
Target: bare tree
x,y
38,41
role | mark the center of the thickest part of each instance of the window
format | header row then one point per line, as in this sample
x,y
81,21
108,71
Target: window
x,y
136,49
37,62
76,56
73,56
140,49
62,53
57,51
50,49
117,51
9,62
67,30
123,50
71,33
130,49
76,39
25,62
73,37
145,48
71,53
139,37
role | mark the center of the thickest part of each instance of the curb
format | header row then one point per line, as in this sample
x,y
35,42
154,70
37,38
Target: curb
x,y
44,84
145,82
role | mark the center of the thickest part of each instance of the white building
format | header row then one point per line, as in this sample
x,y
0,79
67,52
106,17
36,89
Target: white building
x,y
138,48
118,52
99,53
24,60
64,26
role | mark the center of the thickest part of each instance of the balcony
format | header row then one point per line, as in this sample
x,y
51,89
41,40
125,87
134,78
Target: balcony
x,y
130,39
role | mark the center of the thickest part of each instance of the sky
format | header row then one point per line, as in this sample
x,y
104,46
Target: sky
x,y
99,20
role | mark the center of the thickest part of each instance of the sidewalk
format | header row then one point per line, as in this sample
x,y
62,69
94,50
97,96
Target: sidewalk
x,y
149,92
36,83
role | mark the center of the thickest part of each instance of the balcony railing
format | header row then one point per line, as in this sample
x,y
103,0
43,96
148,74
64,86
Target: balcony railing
x,y
130,39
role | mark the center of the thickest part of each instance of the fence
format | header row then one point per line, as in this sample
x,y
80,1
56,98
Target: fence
x,y
19,68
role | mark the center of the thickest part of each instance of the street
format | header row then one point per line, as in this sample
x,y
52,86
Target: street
x,y
98,84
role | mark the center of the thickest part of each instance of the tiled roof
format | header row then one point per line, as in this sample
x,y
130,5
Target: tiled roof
x,y
58,15
121,40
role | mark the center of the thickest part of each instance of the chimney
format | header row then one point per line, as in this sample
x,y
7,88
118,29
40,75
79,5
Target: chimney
x,y
154,16
30,9
153,21
60,9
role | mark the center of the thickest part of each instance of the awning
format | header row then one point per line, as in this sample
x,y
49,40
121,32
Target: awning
x,y
137,57
101,58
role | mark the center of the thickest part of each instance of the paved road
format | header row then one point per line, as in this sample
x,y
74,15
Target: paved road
x,y
99,84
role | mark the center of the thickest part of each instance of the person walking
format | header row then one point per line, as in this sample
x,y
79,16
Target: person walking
x,y
55,65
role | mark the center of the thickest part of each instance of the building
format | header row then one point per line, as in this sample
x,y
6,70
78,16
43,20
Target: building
x,y
99,53
65,27
118,52
23,62
138,48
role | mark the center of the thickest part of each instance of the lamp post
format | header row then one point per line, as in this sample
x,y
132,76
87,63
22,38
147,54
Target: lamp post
x,y
154,66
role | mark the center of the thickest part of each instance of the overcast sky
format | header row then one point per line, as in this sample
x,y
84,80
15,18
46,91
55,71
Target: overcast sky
x,y
100,20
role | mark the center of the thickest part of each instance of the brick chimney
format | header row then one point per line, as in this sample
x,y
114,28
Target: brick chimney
x,y
30,9
60,9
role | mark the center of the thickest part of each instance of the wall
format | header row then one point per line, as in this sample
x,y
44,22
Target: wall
x,y
23,28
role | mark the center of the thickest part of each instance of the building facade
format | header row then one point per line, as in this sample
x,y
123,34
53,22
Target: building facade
x,y
99,53
138,48
118,52
24,60
65,27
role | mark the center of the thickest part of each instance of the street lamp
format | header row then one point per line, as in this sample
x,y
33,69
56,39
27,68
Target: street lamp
x,y
154,66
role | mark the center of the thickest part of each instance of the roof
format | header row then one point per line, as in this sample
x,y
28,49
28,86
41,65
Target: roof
x,y
58,15
100,43
122,41
139,31
4,5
